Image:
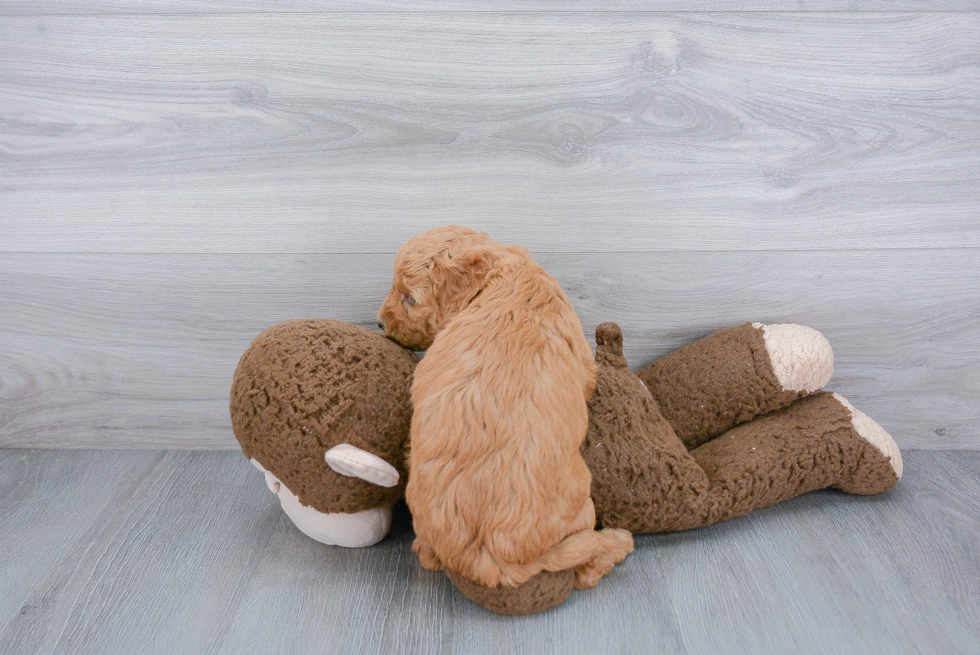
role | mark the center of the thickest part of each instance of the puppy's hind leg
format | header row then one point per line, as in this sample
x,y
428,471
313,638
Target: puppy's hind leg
x,y
604,549
613,547
427,556
591,553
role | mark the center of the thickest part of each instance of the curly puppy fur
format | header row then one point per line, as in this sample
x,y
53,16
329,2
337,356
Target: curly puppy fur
x,y
497,487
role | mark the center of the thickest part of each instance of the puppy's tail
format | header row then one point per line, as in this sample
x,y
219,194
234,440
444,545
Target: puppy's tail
x,y
592,553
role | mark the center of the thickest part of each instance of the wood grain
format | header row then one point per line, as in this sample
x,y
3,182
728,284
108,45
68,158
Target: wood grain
x,y
46,501
172,549
131,351
569,133
190,553
828,564
56,7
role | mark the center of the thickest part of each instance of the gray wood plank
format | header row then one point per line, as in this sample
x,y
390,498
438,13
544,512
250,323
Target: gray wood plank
x,y
138,350
47,500
61,7
170,551
194,555
877,569
370,600
603,132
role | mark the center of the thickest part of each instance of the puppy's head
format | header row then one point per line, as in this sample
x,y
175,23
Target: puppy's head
x,y
437,274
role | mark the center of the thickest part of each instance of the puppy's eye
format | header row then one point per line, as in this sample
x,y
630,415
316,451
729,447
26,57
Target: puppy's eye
x,y
409,300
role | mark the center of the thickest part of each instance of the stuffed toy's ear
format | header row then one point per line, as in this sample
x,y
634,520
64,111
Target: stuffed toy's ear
x,y
355,462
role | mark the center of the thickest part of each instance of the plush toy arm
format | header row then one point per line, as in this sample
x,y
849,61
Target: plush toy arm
x,y
734,375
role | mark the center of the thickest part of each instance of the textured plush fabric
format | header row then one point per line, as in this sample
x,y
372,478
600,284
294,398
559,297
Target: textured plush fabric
x,y
740,384
540,593
642,475
305,386
809,445
645,480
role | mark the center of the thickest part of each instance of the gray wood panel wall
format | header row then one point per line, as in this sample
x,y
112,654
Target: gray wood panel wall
x,y
54,7
174,181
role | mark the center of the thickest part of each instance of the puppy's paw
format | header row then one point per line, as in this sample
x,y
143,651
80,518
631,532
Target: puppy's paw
x,y
621,542
588,575
427,557
615,545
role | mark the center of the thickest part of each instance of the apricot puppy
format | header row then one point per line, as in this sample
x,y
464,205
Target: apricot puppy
x,y
497,487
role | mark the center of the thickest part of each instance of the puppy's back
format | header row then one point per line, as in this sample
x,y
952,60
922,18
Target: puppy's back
x,y
499,415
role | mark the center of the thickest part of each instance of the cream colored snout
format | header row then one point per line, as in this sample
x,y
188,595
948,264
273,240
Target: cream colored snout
x,y
354,530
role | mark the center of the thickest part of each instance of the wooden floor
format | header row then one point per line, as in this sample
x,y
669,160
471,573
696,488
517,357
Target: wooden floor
x,y
187,552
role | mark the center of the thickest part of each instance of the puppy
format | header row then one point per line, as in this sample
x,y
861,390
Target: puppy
x,y
497,487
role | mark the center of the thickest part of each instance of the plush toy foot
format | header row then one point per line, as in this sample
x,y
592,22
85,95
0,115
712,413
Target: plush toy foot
x,y
540,593
801,357
734,375
356,530
873,476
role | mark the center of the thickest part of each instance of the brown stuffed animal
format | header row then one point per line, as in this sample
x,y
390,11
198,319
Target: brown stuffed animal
x,y
728,424
323,409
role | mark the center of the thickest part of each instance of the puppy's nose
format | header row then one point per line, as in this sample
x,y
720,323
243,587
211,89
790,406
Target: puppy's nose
x,y
381,324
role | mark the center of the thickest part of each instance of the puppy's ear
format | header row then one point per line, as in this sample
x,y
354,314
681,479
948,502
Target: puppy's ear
x,y
458,278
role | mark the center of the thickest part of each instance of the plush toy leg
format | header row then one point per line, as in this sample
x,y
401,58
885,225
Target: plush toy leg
x,y
817,442
645,480
735,375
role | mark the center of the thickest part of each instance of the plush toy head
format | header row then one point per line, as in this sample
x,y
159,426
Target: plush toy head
x,y
323,408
